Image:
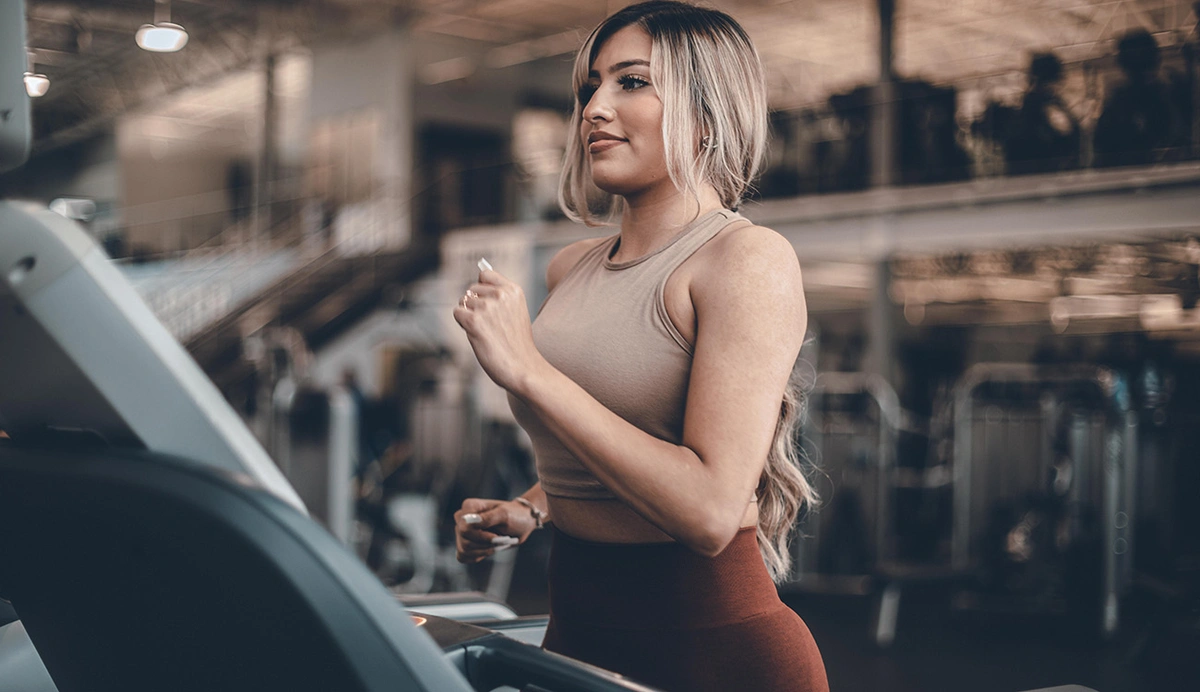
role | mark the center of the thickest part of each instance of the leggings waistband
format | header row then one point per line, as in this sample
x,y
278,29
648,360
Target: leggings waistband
x,y
653,585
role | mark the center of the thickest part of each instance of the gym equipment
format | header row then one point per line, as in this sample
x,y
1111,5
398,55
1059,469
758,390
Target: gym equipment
x,y
1045,464
853,420
83,358
16,134
194,579
851,546
149,542
131,567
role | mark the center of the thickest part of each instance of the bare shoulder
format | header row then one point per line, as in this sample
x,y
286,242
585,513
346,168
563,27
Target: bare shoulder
x,y
566,258
747,290
752,259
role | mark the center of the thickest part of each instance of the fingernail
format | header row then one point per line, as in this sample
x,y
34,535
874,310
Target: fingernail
x,y
505,540
484,265
472,518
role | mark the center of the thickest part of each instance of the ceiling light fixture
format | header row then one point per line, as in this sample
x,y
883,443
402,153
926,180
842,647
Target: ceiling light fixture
x,y
162,36
35,84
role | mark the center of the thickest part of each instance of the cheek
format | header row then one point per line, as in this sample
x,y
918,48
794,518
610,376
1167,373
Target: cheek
x,y
652,153
649,121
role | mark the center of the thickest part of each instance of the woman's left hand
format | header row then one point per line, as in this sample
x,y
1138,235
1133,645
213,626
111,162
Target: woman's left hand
x,y
495,317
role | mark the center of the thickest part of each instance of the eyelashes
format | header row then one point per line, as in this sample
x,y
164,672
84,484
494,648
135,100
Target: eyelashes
x,y
628,82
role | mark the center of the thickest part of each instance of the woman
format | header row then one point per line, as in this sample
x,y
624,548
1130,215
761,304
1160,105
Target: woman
x,y
655,383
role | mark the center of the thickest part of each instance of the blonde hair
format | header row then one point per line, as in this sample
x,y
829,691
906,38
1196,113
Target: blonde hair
x,y
710,81
783,489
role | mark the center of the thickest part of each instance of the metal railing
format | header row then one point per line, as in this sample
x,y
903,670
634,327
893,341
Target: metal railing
x,y
990,125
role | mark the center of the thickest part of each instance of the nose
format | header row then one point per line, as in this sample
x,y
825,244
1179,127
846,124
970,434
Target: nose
x,y
597,108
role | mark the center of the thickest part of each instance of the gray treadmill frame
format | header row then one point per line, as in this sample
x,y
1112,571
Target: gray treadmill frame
x,y
81,353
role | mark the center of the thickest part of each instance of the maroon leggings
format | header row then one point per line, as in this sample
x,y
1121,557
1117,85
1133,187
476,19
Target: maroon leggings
x,y
668,617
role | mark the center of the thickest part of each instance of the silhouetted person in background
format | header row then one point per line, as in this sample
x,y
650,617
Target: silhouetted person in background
x,y
1045,135
1183,88
1137,122
1042,134
929,149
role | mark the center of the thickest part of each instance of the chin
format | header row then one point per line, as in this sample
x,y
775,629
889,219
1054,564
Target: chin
x,y
616,183
612,184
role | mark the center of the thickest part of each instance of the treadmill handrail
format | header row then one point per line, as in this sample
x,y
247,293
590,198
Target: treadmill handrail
x,y
498,660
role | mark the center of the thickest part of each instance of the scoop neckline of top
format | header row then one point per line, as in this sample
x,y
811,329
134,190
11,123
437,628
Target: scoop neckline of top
x,y
609,264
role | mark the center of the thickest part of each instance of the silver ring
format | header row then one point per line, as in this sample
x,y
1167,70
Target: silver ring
x,y
469,295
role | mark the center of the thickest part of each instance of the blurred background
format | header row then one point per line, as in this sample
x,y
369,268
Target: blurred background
x,y
996,206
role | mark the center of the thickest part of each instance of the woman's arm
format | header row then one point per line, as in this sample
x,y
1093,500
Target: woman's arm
x,y
537,497
496,518
750,316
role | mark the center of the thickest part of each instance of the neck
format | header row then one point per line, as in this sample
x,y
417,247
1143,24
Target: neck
x,y
649,221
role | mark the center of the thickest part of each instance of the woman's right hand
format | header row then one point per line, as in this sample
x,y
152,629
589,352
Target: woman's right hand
x,y
503,519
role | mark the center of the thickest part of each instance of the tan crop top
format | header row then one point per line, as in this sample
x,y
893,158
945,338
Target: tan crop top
x,y
605,326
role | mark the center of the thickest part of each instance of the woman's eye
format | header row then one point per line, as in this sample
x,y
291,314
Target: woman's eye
x,y
585,93
631,82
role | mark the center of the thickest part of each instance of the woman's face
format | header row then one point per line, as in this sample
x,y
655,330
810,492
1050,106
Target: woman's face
x,y
621,128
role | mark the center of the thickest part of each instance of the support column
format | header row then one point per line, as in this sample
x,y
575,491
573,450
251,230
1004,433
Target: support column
x,y
881,313
265,178
344,417
1193,72
881,324
883,117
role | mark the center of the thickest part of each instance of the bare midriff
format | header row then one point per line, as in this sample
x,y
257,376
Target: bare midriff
x,y
613,521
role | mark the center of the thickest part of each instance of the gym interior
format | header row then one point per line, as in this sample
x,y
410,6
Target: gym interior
x,y
269,210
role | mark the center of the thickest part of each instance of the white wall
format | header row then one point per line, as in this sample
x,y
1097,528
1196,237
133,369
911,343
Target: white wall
x,y
173,201
375,74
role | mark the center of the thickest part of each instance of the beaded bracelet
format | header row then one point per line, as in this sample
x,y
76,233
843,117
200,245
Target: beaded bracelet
x,y
538,515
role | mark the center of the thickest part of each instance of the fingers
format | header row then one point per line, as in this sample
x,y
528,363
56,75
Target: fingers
x,y
480,514
473,299
492,287
468,556
474,547
473,539
476,514
485,290
498,282
470,551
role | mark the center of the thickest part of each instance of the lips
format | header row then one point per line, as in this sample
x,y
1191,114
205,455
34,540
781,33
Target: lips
x,y
602,141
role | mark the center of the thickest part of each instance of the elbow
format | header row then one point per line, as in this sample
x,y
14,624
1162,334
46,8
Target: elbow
x,y
714,535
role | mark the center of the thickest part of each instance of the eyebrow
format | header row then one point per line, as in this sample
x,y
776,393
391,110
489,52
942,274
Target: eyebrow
x,y
617,67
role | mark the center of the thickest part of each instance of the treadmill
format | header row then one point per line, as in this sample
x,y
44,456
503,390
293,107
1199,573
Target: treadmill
x,y
146,539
